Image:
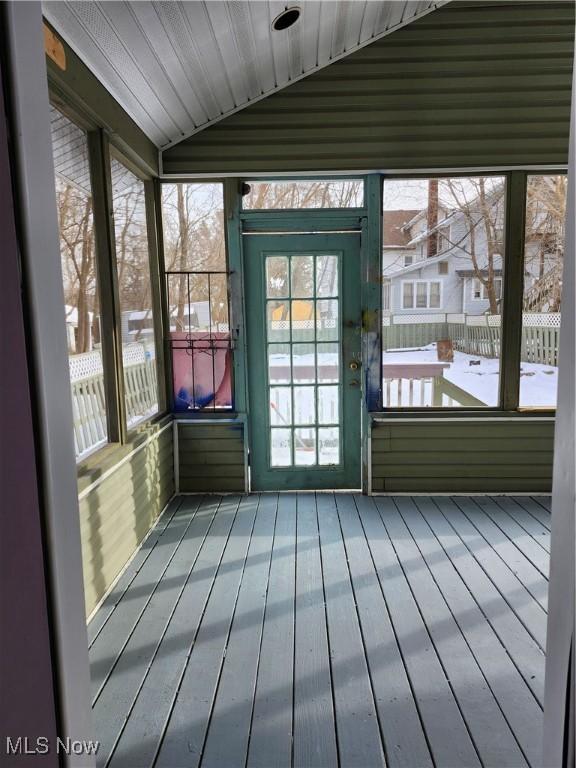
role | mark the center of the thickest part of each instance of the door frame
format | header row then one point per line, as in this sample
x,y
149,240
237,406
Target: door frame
x,y
368,220
347,474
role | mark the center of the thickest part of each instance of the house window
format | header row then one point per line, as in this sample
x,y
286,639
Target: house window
x,y
139,351
79,276
481,290
386,295
408,259
197,286
443,268
543,268
421,294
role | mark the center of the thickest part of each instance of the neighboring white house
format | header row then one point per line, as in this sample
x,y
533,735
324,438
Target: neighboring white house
x,y
445,278
446,281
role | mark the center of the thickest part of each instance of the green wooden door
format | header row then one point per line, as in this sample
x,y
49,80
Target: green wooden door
x,y
304,378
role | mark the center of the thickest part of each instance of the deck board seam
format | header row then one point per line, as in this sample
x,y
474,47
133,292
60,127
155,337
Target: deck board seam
x,y
395,633
193,640
432,643
157,530
162,635
486,572
228,634
454,616
148,599
248,741
522,527
362,637
328,639
457,500
495,631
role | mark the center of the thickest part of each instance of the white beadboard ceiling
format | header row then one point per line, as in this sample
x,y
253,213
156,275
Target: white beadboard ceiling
x,y
178,66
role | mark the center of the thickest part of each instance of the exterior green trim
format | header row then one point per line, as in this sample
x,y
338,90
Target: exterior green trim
x,y
232,203
107,286
473,84
78,89
157,289
211,457
510,354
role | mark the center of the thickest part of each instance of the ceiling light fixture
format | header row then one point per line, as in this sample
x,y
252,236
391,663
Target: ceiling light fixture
x,y
287,18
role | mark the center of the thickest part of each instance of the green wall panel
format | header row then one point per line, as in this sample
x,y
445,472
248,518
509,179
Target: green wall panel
x,y
450,455
471,84
117,512
211,457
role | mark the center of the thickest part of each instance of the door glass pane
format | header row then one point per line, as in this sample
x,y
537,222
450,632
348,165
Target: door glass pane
x,y
327,320
280,447
328,362
277,285
278,320
328,405
303,363
302,276
543,267
81,295
442,273
304,447
134,287
280,406
279,364
305,355
304,407
326,276
328,446
302,320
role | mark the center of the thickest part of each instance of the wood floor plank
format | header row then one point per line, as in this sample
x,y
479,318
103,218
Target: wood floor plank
x,y
531,525
523,650
528,610
228,733
314,727
404,737
115,701
186,729
525,543
514,708
271,731
532,506
545,501
107,648
494,741
357,728
446,731
530,576
140,739
120,589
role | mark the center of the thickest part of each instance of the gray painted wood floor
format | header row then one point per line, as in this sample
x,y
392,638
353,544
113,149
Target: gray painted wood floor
x,y
327,630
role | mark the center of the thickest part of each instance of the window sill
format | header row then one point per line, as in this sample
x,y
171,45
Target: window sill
x,y
104,459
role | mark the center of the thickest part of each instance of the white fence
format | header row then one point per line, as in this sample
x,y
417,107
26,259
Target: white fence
x,y
88,393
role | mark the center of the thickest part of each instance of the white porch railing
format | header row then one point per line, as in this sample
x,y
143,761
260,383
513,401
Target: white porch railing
x,y
88,394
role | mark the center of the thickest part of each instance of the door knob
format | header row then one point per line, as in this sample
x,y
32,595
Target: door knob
x,y
354,365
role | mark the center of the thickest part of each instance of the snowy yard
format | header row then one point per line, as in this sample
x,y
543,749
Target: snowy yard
x,y
537,382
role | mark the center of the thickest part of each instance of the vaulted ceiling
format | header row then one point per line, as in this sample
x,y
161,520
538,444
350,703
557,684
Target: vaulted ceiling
x,y
177,67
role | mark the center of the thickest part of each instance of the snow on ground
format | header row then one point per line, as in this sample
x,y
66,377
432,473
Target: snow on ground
x,y
538,383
